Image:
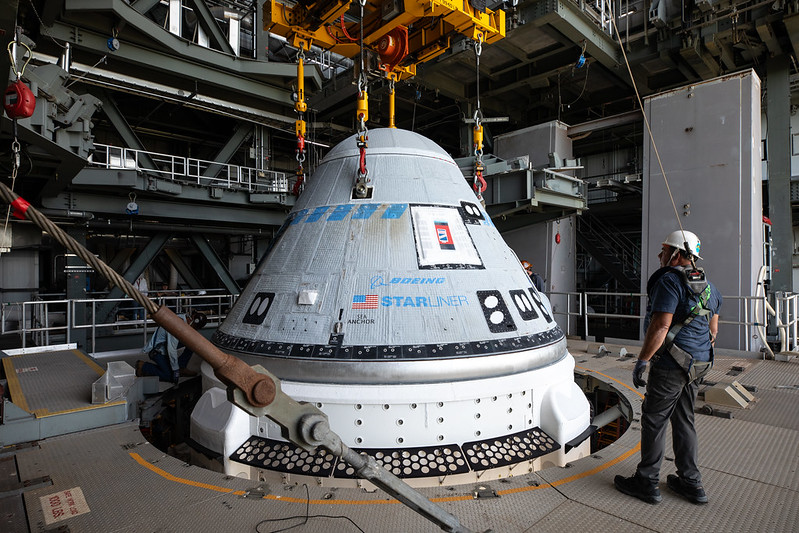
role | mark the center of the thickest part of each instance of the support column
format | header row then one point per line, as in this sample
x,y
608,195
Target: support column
x,y
261,35
241,133
208,23
136,268
75,271
778,152
221,270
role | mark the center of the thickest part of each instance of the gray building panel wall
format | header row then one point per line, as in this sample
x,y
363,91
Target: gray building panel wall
x,y
708,138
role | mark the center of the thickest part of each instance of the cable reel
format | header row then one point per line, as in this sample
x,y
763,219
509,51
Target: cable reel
x,y
132,208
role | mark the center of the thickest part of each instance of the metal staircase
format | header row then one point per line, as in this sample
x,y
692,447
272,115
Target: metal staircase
x,y
617,254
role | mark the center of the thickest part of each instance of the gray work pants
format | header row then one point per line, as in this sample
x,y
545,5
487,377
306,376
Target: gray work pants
x,y
669,397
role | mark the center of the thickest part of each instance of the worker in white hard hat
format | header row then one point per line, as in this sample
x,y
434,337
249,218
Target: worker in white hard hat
x,y
681,326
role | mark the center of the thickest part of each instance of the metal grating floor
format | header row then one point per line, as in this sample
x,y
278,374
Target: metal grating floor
x,y
750,469
51,382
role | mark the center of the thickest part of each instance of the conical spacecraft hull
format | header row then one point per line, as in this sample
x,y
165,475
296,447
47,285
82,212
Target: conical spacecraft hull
x,y
405,317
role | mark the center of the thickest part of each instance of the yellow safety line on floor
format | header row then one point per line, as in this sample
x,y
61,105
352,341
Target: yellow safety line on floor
x,y
86,359
44,412
610,378
139,459
575,477
14,386
166,475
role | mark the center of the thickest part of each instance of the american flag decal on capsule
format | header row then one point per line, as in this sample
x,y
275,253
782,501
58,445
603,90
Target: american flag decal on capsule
x,y
364,301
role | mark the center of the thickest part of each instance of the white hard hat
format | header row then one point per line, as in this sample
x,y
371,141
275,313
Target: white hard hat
x,y
678,239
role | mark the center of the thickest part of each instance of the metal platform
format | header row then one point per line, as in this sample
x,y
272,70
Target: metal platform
x,y
750,467
51,394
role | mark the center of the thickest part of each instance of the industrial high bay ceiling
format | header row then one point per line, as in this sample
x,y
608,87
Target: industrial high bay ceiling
x,y
530,75
217,81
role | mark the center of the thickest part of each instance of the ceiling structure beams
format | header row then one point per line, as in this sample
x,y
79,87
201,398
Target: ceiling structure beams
x,y
567,18
208,23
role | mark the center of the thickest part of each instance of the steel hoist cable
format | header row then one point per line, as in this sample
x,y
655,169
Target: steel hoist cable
x,y
478,183
651,136
301,107
362,115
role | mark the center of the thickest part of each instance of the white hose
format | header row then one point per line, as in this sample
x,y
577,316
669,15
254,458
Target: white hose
x,y
760,292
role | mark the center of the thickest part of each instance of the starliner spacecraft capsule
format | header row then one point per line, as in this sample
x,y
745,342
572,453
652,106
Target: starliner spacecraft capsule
x,y
403,315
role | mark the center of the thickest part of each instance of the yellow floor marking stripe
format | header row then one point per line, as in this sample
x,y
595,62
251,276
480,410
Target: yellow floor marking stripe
x,y
86,359
139,459
14,386
610,378
166,475
45,412
575,477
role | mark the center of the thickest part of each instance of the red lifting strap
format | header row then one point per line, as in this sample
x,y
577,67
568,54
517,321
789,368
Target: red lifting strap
x,y
362,165
19,207
297,184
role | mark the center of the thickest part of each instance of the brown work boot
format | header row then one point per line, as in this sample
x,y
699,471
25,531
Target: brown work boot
x,y
139,365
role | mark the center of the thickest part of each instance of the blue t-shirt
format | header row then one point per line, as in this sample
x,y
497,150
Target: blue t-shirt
x,y
669,294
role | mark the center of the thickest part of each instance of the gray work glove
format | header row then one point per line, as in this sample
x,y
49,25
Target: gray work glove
x,y
638,374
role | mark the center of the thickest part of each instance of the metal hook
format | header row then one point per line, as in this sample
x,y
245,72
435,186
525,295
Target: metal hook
x,y
13,60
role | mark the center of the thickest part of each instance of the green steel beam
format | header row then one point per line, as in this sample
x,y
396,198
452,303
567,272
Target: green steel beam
x,y
209,25
121,125
183,269
242,132
261,36
179,65
116,262
134,271
113,206
220,66
142,6
216,263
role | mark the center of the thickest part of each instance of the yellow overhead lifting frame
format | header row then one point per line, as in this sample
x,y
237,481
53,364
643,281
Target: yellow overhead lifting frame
x,y
404,34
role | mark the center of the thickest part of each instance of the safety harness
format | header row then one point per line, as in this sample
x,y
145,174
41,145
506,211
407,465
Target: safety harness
x,y
698,287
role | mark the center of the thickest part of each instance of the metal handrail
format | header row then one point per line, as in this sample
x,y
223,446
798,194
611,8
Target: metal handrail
x,y
33,316
190,170
29,315
787,309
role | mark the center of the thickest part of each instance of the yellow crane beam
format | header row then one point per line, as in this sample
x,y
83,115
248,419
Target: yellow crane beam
x,y
432,23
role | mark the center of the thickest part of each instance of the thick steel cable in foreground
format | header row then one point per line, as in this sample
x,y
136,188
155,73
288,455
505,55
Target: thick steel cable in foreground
x,y
306,425
30,212
258,389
